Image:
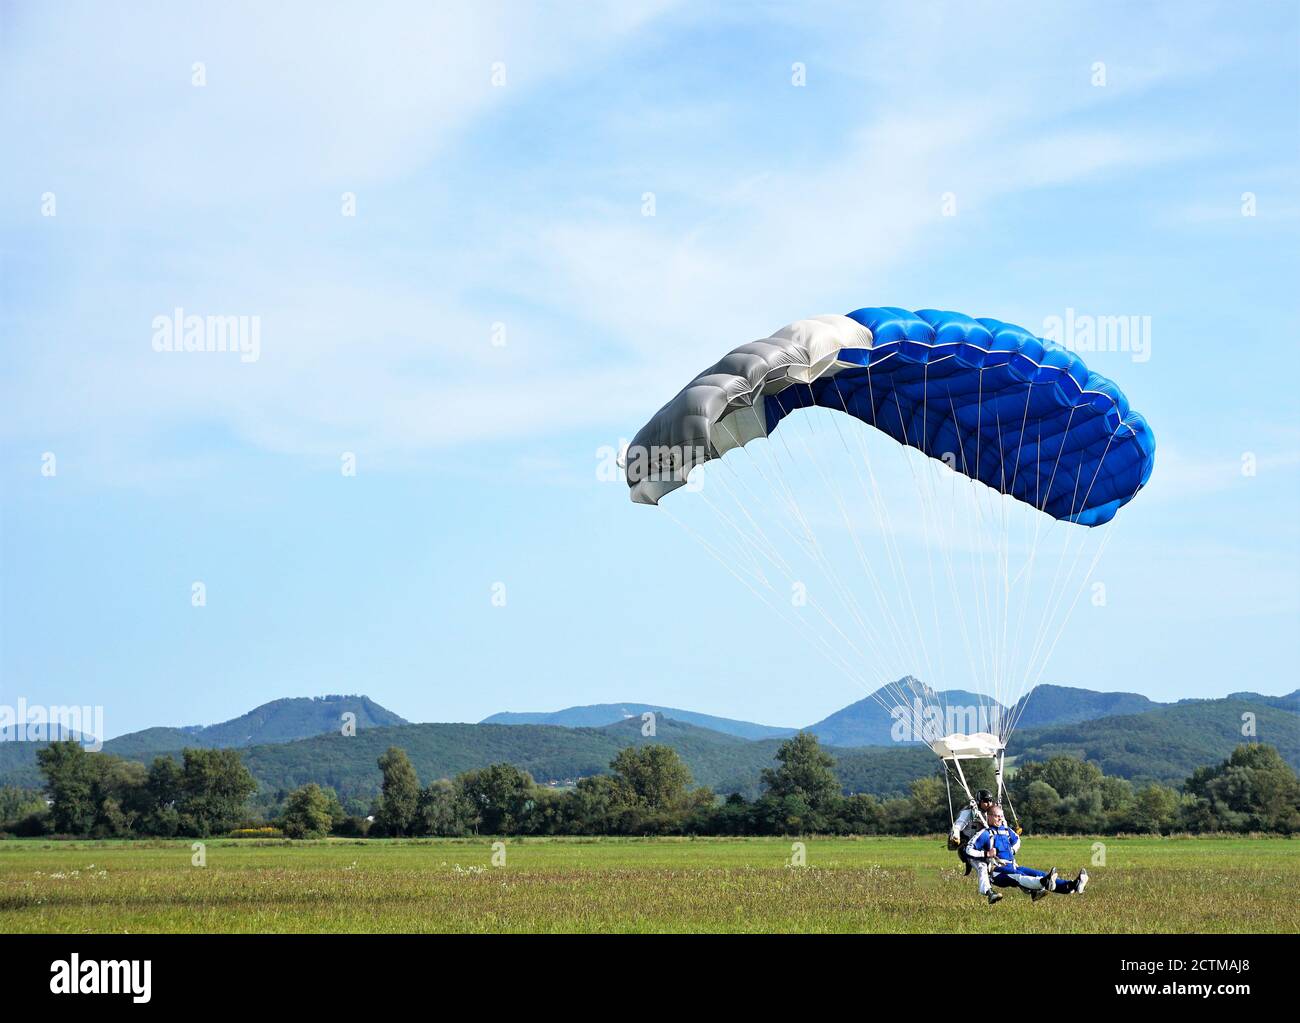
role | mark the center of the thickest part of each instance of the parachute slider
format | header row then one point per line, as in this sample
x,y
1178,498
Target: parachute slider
x,y
960,746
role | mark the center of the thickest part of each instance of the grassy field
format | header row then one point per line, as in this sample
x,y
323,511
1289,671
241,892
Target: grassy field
x,y
848,885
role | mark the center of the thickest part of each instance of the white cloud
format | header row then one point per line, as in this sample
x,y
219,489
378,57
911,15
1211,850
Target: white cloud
x,y
378,333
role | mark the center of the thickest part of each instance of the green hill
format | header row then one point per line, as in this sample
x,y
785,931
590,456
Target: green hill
x,y
278,721
1062,705
1167,743
292,718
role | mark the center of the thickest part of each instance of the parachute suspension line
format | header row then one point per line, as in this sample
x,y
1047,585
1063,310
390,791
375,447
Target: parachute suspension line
x,y
991,681
1101,549
789,575
1040,533
773,555
1003,790
1020,444
1060,580
1025,570
956,762
848,595
893,556
1006,567
916,618
873,500
974,530
746,546
818,554
1050,612
1041,499
1002,530
811,546
998,521
890,685
945,545
877,589
827,650
1005,727
960,492
1110,529
947,785
937,681
872,497
774,551
930,527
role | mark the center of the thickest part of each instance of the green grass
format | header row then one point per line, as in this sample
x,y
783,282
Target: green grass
x,y
869,884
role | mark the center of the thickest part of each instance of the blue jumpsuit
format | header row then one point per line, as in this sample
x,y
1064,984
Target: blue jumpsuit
x,y
999,846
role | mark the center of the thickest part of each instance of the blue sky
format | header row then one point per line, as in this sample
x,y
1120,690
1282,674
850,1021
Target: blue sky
x,y
520,203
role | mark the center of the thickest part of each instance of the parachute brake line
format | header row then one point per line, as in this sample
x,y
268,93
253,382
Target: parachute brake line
x,y
997,770
975,807
952,818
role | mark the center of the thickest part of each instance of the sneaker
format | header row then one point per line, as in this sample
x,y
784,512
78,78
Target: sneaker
x,y
1040,894
995,898
1081,882
1049,882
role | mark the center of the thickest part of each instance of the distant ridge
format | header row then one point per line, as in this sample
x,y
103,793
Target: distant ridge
x,y
868,723
597,715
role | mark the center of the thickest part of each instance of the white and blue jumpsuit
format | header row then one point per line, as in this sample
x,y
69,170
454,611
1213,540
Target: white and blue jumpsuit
x,y
998,847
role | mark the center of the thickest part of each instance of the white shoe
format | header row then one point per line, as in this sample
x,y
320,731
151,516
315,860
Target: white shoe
x,y
1049,882
1081,882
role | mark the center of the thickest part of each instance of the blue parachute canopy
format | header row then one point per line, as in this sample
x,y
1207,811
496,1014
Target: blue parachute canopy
x,y
1016,412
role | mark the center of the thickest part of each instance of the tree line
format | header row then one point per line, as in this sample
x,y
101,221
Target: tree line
x,y
648,791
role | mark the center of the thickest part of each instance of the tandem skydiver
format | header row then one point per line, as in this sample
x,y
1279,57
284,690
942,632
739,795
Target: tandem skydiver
x,y
997,846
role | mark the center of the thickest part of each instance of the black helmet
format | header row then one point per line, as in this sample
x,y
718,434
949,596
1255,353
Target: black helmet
x,y
983,796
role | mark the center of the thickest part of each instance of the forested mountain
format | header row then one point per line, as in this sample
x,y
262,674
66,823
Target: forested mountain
x,y
1060,705
278,721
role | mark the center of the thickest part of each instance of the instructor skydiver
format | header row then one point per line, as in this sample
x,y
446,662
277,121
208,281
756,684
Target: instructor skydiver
x,y
969,824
